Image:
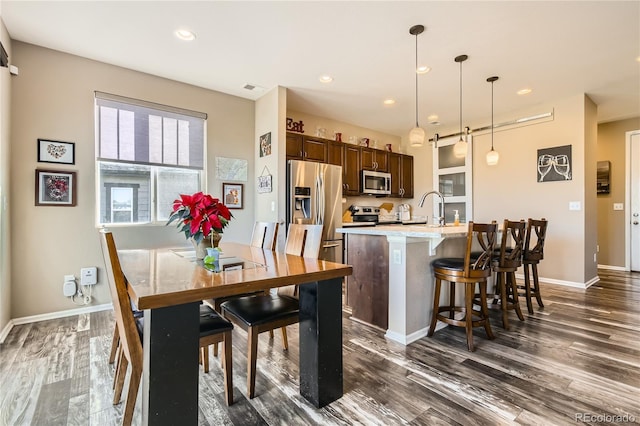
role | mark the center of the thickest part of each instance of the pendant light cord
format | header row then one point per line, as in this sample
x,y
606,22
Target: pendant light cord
x,y
492,116
460,100
416,72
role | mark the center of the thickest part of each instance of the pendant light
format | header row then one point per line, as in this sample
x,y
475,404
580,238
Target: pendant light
x,y
460,148
416,135
492,156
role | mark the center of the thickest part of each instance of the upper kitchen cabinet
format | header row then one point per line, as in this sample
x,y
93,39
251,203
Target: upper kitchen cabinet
x,y
308,148
335,153
401,169
351,170
374,159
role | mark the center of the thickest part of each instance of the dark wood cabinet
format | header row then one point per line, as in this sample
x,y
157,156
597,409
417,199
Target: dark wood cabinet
x,y
374,159
351,170
335,153
308,148
401,169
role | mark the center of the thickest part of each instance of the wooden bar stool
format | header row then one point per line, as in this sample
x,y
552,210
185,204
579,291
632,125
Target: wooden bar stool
x,y
505,265
531,258
468,272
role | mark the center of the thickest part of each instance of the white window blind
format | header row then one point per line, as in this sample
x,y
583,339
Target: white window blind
x,y
134,131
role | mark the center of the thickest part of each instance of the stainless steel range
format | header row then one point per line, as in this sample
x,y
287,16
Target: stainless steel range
x,y
364,214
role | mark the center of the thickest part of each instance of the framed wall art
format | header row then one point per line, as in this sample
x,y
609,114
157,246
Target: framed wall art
x,y
265,144
56,152
233,194
554,164
55,188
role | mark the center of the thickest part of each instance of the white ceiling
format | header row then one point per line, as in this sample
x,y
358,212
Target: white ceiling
x,y
557,48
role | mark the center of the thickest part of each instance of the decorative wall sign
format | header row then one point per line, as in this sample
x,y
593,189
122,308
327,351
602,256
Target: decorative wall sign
x,y
265,144
264,181
233,195
231,169
55,188
56,152
554,164
602,173
295,126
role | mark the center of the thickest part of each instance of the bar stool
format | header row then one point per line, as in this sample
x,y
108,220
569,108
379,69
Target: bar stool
x,y
509,259
531,258
468,272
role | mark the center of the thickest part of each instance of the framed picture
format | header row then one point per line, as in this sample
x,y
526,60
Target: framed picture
x,y
554,164
265,144
233,194
264,184
55,188
56,152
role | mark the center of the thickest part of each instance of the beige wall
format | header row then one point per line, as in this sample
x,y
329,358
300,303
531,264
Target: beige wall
x,y
611,226
5,126
53,97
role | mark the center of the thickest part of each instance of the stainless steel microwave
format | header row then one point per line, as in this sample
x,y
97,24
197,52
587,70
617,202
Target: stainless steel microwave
x,y
376,183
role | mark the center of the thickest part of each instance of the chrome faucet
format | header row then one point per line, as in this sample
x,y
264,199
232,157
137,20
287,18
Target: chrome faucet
x,y
439,194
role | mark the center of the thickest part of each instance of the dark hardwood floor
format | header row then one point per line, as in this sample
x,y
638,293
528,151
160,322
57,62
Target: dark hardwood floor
x,y
577,360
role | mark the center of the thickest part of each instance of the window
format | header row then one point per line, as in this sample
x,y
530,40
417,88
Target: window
x,y
146,155
452,177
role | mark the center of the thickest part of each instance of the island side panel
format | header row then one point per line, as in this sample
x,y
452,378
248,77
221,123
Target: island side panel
x,y
368,286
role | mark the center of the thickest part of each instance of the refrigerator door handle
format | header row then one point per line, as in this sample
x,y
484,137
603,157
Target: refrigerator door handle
x,y
331,245
319,200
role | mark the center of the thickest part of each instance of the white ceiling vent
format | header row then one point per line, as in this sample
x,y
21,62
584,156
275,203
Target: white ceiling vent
x,y
253,87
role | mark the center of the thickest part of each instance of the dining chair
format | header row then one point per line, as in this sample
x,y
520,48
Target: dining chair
x,y
531,258
265,312
469,271
213,328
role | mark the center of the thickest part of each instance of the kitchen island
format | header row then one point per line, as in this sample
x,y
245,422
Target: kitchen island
x,y
392,284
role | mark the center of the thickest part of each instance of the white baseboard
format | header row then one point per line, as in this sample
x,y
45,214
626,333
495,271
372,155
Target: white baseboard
x,y
412,337
613,268
52,315
574,284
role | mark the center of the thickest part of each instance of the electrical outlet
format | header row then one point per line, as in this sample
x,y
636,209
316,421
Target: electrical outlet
x,y
397,257
574,205
618,206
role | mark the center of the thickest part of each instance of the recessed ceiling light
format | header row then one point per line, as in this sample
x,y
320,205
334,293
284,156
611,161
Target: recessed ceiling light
x,y
185,35
325,78
389,101
524,91
423,69
433,117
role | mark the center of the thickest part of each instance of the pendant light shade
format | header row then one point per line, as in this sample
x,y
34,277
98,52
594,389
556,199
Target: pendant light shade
x,y
460,148
492,156
416,135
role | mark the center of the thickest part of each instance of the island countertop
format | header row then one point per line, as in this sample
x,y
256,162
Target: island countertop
x,y
417,231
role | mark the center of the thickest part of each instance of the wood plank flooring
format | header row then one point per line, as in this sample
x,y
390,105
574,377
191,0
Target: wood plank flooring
x,y
575,361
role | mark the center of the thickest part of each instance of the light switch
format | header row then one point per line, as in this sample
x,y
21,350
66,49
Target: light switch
x,y
618,206
574,205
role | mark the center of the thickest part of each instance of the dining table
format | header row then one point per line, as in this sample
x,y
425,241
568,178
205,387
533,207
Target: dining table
x,y
169,285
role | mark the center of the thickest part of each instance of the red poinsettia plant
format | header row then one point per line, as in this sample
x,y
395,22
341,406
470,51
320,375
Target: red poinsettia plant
x,y
199,215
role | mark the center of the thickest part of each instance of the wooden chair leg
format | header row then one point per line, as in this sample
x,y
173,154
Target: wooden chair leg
x,y
504,299
527,288
468,323
117,366
252,343
120,376
205,358
485,310
115,343
215,350
270,334
130,405
436,305
227,363
536,284
285,341
513,289
452,298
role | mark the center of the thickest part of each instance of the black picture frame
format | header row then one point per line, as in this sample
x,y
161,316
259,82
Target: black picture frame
x,y
233,195
50,151
56,188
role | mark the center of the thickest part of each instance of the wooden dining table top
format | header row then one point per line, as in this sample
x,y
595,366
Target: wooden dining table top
x,y
165,277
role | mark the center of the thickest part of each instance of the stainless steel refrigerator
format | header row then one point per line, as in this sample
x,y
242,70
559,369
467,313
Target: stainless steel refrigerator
x,y
314,194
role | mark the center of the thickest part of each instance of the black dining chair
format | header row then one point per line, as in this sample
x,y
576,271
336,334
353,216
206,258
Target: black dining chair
x,y
266,312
